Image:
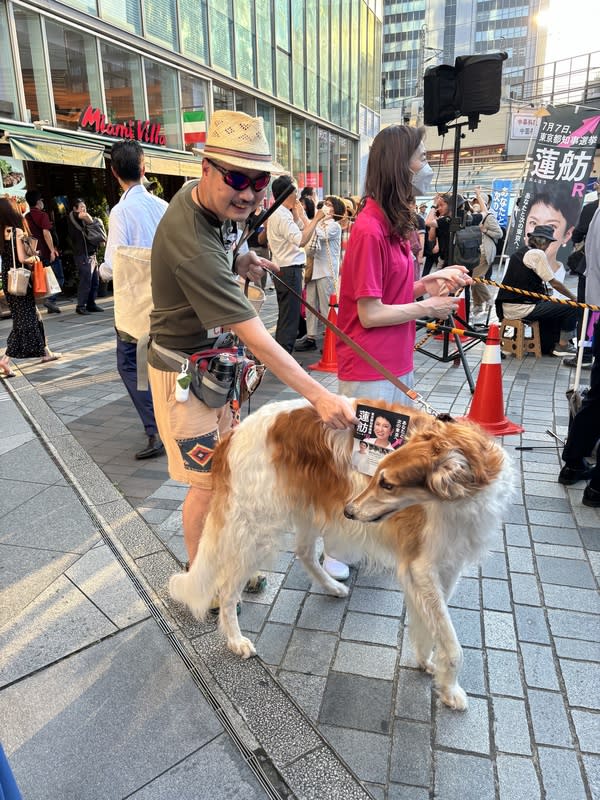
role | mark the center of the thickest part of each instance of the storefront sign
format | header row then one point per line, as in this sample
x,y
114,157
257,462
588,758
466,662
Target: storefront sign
x,y
524,126
143,130
560,168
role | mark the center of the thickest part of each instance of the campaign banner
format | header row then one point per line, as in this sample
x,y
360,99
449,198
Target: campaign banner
x,y
501,189
557,178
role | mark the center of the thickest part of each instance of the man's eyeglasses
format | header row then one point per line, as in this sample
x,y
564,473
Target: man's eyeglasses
x,y
239,181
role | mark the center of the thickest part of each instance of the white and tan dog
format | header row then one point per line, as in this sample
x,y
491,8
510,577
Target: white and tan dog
x,y
427,512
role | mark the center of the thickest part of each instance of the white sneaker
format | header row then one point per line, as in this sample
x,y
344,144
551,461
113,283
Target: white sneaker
x,y
335,569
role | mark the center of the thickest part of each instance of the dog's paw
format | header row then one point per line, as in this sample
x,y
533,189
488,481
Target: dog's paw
x,y
454,697
338,590
242,647
427,665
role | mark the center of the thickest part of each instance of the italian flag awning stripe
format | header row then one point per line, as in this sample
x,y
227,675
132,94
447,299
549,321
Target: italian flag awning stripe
x,y
194,126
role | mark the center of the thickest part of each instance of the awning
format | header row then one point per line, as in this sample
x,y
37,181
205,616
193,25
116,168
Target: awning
x,y
163,164
54,149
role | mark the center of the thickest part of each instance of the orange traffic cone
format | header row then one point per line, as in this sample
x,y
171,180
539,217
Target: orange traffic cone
x,y
487,407
328,362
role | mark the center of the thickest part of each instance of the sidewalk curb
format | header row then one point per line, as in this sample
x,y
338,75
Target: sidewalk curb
x,y
275,737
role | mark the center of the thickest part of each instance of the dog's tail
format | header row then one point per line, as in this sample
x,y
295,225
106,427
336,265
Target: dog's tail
x,y
198,588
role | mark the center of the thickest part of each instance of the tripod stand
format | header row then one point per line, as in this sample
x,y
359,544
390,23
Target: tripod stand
x,y
458,355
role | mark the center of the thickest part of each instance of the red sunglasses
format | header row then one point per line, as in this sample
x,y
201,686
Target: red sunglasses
x,y
239,181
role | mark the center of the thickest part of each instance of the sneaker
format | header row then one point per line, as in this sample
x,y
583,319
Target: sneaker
x,y
591,497
335,569
52,307
585,364
81,310
94,308
562,350
570,475
307,344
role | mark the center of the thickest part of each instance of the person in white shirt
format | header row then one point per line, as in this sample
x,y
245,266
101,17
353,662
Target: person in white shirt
x,y
288,230
325,247
133,221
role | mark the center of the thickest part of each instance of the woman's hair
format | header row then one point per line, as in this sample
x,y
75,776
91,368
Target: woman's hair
x,y
9,216
308,191
560,199
388,178
339,207
309,205
77,202
387,418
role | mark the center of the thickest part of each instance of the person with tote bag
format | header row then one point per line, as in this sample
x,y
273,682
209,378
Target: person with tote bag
x,y
27,338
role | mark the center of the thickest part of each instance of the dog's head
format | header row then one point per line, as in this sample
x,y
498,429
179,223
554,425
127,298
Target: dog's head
x,y
448,462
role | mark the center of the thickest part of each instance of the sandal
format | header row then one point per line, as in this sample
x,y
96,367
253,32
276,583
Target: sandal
x,y
9,374
51,357
256,584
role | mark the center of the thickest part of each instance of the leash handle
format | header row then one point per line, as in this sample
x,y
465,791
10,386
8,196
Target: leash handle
x,y
256,220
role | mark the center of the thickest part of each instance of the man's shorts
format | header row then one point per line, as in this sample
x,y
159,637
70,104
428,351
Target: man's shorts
x,y
189,431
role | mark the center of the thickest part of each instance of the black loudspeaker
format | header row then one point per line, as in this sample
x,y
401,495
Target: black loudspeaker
x,y
439,88
472,86
479,83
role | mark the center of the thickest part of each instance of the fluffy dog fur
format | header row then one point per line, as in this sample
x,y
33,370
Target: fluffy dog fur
x,y
426,513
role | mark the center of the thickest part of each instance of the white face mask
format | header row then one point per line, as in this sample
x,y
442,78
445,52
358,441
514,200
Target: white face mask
x,y
421,180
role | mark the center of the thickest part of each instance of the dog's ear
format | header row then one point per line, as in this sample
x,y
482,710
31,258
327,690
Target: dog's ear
x,y
450,476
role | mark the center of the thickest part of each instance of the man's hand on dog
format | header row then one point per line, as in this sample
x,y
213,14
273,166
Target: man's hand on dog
x,y
335,411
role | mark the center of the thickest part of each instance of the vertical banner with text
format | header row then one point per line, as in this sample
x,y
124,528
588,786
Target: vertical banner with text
x,y
501,189
560,167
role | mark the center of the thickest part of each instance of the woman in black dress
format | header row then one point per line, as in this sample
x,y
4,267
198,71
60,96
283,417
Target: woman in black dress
x,y
27,338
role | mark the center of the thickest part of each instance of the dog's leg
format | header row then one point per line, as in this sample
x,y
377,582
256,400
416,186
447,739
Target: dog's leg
x,y
426,598
306,550
419,634
228,621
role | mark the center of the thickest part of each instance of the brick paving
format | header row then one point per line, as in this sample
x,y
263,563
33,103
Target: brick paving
x,y
527,617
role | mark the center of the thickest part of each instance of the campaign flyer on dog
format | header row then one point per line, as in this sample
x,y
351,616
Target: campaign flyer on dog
x,y
378,433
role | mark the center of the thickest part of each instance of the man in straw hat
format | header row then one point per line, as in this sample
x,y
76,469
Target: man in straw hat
x,y
529,270
196,293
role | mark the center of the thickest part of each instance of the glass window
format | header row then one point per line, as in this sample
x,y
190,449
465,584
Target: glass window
x,y
75,73
163,100
312,157
123,85
160,22
346,166
125,14
283,75
324,180
334,157
88,6
193,28
345,39
298,40
222,98
282,24
193,109
282,138
245,103
264,47
9,105
33,66
221,34
268,114
298,150
244,41
324,53
312,55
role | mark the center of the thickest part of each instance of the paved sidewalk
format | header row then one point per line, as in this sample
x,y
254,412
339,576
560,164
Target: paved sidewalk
x,y
108,690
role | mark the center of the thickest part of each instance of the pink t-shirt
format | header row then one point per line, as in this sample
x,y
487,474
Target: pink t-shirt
x,y
375,265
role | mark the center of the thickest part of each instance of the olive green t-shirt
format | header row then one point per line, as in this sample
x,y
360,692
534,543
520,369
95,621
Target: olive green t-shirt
x,y
193,287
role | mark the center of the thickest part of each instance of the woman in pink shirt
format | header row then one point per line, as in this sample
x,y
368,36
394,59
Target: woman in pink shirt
x,y
377,306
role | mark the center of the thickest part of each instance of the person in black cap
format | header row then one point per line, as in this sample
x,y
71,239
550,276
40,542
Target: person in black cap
x,y
529,270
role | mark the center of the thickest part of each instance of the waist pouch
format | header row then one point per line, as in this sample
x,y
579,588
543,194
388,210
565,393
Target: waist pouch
x,y
214,380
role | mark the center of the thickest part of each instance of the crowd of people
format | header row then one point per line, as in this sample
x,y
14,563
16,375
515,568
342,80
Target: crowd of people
x,y
385,259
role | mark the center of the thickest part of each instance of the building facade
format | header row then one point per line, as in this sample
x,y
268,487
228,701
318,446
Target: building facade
x,y
78,75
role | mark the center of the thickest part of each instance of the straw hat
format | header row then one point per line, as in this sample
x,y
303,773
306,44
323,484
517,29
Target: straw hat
x,y
238,139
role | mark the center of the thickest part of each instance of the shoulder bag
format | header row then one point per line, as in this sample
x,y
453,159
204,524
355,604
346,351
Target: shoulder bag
x,y
18,277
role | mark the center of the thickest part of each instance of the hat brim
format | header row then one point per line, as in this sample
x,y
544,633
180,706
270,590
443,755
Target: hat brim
x,y
245,163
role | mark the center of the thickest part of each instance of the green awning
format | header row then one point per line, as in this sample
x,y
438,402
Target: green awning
x,y
54,148
159,164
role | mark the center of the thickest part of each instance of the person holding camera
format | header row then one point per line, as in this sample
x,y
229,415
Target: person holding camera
x,y
87,233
